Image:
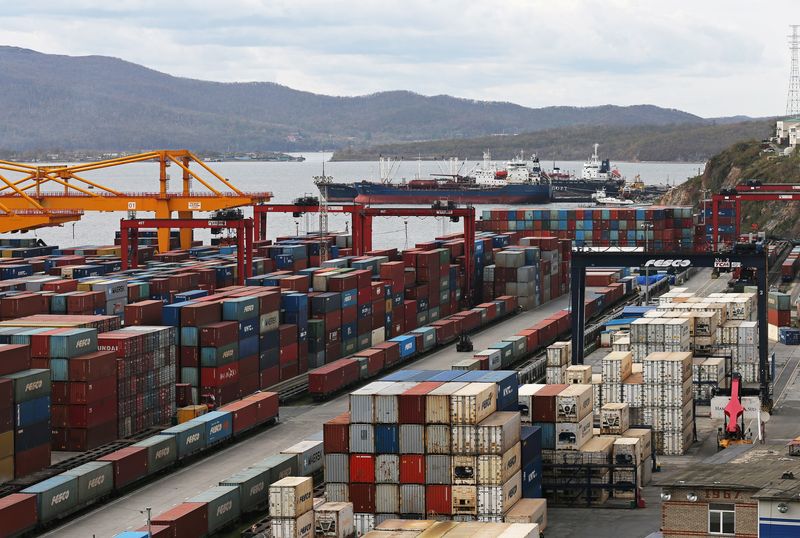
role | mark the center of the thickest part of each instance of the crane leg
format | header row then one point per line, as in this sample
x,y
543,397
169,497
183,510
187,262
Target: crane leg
x,y
187,234
163,212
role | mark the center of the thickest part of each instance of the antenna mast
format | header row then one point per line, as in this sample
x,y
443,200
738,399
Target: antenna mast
x,y
793,97
324,253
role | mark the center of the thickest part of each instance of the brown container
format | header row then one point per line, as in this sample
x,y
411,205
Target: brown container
x,y
411,403
336,435
92,366
219,334
244,413
144,313
187,520
14,358
266,405
544,403
130,465
199,314
29,461
363,497
17,513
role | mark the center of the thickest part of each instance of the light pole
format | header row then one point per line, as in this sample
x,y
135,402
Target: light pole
x,y
149,526
646,226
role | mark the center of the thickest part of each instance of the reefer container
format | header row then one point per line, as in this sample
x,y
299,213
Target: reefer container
x,y
334,520
387,469
464,439
253,484
464,470
473,403
17,513
437,439
222,504
337,468
95,480
161,452
465,500
387,498
572,435
628,450
529,511
437,402
363,523
525,399
573,403
55,496
387,410
495,470
614,418
291,497
498,433
190,437
362,402
309,456
496,500
544,403
186,519
302,527
438,469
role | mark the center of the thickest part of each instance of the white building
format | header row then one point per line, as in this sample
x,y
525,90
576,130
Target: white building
x,y
786,131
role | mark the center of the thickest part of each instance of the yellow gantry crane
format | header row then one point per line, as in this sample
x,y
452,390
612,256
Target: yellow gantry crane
x,y
71,194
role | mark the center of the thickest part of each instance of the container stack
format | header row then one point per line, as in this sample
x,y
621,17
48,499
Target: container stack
x,y
790,265
779,309
24,414
558,356
617,367
653,335
516,272
437,446
672,227
668,397
145,376
726,221
291,502
708,373
740,341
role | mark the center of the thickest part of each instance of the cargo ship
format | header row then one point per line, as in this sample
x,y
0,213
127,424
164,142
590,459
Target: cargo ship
x,y
597,175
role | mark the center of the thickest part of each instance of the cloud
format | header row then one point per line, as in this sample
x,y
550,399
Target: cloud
x,y
711,58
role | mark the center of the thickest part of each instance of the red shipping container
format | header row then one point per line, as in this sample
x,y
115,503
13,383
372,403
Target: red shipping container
x,y
391,350
92,391
333,377
438,500
220,376
248,366
189,356
29,461
14,358
92,366
84,416
362,468
411,403
266,405
544,403
144,313
130,465
61,286
363,497
17,513
82,439
219,334
244,413
287,334
531,338
412,469
375,358
336,435
269,377
201,313
187,520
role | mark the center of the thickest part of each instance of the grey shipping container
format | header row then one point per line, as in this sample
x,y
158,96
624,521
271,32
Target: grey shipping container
x,y
30,384
337,468
412,439
280,465
337,492
362,438
437,439
253,487
190,437
362,402
162,451
386,402
95,479
309,456
380,518
54,497
412,499
387,498
437,469
223,505
387,469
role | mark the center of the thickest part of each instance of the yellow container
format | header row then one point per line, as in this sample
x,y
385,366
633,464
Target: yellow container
x,y
190,411
6,469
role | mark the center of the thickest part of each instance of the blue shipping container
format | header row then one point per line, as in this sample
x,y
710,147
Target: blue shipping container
x,y
531,443
532,480
548,434
408,345
32,412
387,438
218,426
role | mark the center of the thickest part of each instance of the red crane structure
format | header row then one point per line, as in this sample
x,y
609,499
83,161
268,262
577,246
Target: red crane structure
x,y
361,226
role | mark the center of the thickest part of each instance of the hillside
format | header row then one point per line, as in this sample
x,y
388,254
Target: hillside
x,y
690,143
97,102
740,162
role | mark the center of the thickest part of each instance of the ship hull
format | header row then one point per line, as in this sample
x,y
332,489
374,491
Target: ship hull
x,y
337,192
373,193
567,187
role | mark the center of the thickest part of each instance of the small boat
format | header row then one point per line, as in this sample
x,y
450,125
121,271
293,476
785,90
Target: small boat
x,y
600,198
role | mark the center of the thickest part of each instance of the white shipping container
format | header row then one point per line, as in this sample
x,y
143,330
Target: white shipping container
x,y
521,530
336,492
387,498
309,456
437,403
579,374
494,358
494,470
633,391
465,500
529,511
291,497
498,432
464,440
334,520
387,469
302,527
573,403
559,353
617,366
572,435
497,500
526,393
363,523
554,375
412,499
473,403
627,450
614,418
464,470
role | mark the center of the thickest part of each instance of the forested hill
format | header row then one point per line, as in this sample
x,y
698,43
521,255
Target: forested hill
x,y
735,165
686,142
96,102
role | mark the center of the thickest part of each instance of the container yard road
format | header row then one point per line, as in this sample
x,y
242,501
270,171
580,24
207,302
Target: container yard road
x,y
302,420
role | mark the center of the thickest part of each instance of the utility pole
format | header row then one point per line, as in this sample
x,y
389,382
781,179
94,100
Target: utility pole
x,y
793,97
149,527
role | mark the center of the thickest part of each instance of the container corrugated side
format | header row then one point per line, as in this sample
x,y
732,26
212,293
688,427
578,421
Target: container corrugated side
x,y
498,432
438,469
494,470
437,439
309,456
473,403
387,469
387,498
496,500
302,527
95,479
337,468
437,402
412,439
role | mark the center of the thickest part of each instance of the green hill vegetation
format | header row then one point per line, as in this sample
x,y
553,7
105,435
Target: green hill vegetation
x,y
736,164
683,142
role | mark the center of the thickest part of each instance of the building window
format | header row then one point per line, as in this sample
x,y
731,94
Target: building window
x,y
721,518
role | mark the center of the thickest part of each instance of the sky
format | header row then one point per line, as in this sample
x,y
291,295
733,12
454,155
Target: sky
x,y
708,57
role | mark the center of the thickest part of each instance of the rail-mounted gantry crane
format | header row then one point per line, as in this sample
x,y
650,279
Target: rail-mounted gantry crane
x,y
70,193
